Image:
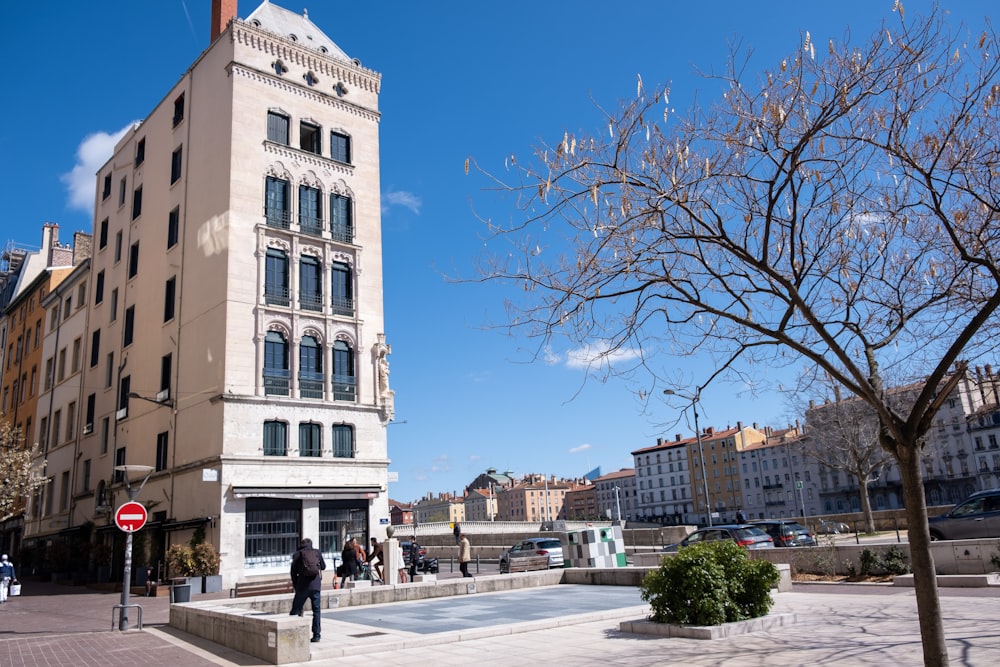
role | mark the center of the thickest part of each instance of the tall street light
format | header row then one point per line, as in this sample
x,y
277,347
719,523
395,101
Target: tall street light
x,y
701,449
127,472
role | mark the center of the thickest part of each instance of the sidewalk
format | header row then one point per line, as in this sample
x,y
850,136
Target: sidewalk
x,y
55,625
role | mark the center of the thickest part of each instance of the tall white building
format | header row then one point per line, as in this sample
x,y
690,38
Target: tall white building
x,y
236,339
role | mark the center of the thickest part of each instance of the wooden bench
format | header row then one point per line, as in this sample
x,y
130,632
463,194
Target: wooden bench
x,y
245,589
528,563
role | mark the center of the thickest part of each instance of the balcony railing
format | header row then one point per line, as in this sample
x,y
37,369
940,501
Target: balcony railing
x,y
275,295
342,233
311,386
342,305
310,225
344,387
276,382
773,486
311,301
773,503
277,217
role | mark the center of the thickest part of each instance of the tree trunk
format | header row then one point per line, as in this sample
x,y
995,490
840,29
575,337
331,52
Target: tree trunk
x,y
866,505
924,575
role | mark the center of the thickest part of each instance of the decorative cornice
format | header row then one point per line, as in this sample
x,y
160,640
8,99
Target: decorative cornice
x,y
314,94
298,158
279,46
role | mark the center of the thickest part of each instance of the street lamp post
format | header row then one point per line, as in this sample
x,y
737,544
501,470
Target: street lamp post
x,y
701,449
618,504
127,471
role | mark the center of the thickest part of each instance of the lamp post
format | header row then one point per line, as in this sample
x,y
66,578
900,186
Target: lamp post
x,y
127,471
618,504
701,449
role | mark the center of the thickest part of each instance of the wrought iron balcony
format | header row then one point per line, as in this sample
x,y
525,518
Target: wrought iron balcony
x,y
342,305
311,301
344,387
276,382
275,295
311,385
342,233
278,217
310,225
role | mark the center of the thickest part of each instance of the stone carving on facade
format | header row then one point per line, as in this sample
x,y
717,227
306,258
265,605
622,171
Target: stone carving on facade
x,y
386,396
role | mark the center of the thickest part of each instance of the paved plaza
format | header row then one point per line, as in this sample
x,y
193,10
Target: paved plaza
x,y
840,624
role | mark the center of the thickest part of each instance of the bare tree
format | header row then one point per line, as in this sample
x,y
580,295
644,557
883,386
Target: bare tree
x,y
18,472
837,213
844,436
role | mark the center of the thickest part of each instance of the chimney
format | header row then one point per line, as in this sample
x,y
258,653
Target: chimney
x,y
659,441
223,11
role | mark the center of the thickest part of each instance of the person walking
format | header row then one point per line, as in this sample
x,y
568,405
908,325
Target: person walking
x,y
457,531
401,562
375,558
307,580
349,563
464,554
6,577
740,517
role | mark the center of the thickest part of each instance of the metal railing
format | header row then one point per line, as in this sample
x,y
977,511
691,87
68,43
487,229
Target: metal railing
x,y
277,296
311,301
310,225
278,217
342,305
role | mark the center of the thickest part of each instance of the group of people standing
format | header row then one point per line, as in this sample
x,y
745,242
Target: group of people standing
x,y
308,566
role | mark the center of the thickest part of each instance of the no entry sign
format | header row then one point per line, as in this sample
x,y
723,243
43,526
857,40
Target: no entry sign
x,y
130,517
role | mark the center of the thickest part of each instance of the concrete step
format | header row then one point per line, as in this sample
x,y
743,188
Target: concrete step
x,y
954,580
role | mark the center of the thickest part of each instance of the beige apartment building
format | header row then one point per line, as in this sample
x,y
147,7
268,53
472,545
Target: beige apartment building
x,y
236,342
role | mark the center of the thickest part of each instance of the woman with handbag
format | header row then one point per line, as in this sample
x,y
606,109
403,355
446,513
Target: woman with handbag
x,y
7,577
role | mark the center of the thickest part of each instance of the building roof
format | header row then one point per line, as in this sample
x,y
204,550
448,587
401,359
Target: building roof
x,y
296,27
624,472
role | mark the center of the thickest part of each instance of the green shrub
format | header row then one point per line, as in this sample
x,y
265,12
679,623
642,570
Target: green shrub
x,y
894,561
710,584
870,562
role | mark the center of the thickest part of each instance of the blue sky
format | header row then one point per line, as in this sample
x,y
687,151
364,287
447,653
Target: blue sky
x,y
459,80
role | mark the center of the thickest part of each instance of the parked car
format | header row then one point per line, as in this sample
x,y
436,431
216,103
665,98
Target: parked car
x,y
743,534
787,532
425,563
832,528
533,546
975,517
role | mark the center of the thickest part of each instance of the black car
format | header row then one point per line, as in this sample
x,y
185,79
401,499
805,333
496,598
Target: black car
x,y
425,563
976,517
786,532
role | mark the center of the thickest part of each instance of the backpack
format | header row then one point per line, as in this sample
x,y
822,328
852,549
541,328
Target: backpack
x,y
309,563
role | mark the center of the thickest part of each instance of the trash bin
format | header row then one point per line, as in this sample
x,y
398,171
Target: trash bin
x,y
180,593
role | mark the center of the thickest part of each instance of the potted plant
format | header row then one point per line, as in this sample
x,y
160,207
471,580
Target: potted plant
x,y
206,566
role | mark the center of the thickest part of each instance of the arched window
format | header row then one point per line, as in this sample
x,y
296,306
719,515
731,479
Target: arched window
x,y
275,364
276,289
310,368
341,289
310,439
341,218
344,381
275,438
343,441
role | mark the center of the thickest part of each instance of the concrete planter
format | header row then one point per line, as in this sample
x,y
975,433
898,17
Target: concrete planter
x,y
762,624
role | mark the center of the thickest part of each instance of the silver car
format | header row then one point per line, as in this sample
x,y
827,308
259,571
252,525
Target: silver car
x,y
744,535
977,516
533,546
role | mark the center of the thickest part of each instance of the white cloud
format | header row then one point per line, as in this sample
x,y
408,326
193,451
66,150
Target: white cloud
x,y
93,152
597,354
582,448
408,200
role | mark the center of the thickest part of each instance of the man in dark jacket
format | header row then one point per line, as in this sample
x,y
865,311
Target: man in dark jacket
x,y
307,586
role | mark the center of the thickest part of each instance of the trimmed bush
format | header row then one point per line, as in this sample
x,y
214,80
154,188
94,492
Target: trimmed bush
x,y
710,584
